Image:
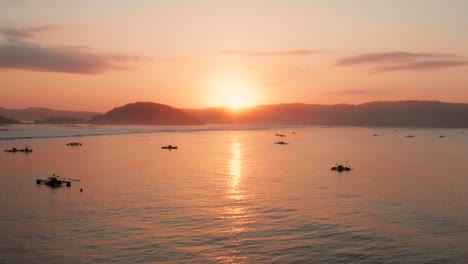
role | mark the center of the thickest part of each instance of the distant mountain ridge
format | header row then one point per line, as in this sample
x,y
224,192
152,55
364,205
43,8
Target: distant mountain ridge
x,y
146,113
386,114
39,113
4,120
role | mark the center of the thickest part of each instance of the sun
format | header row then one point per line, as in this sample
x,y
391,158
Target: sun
x,y
235,101
234,92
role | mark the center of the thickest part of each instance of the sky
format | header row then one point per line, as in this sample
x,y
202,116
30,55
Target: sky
x,y
95,55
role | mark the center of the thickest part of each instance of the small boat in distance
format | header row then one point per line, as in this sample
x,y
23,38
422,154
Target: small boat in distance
x,y
340,168
281,143
410,136
14,150
279,135
169,147
54,181
74,144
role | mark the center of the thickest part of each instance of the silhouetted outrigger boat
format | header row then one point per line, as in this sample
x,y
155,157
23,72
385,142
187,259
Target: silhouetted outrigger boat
x,y
54,181
74,144
169,147
340,168
281,143
14,150
280,135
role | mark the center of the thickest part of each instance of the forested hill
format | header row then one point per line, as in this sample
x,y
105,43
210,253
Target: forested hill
x,y
146,113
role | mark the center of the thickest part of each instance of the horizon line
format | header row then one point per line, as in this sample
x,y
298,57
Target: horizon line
x,y
240,109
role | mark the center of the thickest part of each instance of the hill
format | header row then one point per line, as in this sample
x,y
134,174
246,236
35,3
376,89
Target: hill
x,y
146,113
61,120
4,120
386,114
37,113
389,114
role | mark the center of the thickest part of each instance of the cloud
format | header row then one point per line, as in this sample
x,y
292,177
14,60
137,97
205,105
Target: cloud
x,y
22,33
401,60
393,56
18,54
423,65
27,56
274,53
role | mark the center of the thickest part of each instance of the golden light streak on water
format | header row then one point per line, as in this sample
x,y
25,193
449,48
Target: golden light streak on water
x,y
235,170
235,214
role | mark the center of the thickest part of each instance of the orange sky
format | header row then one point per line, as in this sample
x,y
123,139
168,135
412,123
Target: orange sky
x,y
95,55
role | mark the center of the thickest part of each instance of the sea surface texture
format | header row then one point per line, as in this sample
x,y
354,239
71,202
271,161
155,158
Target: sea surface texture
x,y
230,195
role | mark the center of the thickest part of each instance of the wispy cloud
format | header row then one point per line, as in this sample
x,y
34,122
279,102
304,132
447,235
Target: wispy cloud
x,y
401,60
303,52
23,33
394,56
423,65
16,53
27,56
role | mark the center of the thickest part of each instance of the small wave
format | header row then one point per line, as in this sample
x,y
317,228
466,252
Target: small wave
x,y
71,135
41,131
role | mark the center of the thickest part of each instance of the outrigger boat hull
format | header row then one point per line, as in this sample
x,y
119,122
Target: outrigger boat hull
x,y
169,147
341,168
53,182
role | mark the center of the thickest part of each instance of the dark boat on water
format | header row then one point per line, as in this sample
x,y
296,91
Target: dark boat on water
x,y
54,181
74,144
281,143
169,147
340,168
14,150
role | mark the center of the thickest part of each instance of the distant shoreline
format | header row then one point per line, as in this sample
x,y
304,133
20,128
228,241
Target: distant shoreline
x,y
45,131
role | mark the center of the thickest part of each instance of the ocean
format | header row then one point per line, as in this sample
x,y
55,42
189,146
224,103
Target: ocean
x,y
228,194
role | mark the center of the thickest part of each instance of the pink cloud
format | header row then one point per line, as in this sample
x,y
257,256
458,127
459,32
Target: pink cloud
x,y
22,33
400,60
18,54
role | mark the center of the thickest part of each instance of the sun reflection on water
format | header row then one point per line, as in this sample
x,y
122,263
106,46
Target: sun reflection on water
x,y
235,171
235,214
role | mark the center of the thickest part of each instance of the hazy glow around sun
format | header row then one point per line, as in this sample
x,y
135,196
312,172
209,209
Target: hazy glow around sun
x,y
234,92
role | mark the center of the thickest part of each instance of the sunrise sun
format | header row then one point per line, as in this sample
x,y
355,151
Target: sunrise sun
x,y
234,93
235,101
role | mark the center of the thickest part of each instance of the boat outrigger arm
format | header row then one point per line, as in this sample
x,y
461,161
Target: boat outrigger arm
x,y
54,181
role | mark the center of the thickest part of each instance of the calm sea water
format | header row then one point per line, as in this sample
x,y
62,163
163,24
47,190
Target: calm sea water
x,y
229,195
